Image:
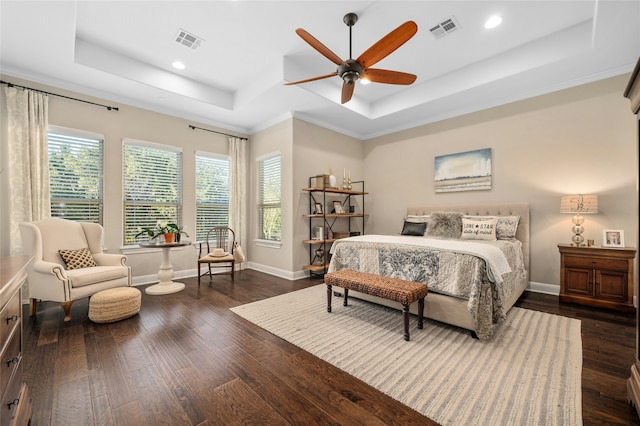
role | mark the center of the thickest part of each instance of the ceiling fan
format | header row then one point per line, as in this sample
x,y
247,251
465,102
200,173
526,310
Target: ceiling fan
x,y
353,69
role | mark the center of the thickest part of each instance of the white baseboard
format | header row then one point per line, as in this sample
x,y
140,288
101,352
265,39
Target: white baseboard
x,y
287,275
543,288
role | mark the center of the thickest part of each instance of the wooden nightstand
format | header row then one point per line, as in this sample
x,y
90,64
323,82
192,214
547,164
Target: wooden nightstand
x,y
597,276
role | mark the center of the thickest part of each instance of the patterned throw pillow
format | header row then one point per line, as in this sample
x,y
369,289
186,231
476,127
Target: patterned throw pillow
x,y
77,259
479,229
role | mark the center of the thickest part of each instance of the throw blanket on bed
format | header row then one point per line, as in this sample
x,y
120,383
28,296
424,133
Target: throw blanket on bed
x,y
485,272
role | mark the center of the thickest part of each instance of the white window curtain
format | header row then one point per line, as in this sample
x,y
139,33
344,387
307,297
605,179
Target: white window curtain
x,y
27,122
238,191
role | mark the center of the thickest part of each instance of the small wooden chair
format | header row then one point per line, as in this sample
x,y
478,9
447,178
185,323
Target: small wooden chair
x,y
217,252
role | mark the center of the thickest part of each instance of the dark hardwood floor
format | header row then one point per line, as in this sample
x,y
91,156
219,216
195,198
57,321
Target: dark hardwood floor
x,y
187,359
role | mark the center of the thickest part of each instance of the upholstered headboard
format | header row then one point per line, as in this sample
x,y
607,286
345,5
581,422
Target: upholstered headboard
x,y
505,209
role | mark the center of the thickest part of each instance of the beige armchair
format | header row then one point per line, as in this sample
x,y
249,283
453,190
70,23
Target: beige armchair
x,y
50,278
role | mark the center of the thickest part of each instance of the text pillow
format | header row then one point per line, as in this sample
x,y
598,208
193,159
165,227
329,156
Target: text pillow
x,y
77,259
478,229
414,228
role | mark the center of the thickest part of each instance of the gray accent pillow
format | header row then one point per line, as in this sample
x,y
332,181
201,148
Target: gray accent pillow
x,y
414,228
445,225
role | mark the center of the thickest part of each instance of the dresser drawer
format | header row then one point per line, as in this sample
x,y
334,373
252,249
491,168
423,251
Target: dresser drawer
x,y
9,317
596,263
10,400
9,360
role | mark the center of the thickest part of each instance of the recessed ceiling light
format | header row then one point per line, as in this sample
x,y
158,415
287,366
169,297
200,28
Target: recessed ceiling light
x,y
178,65
493,22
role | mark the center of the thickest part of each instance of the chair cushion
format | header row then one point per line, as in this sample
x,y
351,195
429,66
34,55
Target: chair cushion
x,y
214,259
77,259
96,274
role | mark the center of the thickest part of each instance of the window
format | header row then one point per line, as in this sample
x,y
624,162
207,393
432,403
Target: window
x,y
269,192
212,193
75,175
152,180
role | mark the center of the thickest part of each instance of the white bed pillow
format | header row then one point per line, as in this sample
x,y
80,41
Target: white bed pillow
x,y
479,229
417,218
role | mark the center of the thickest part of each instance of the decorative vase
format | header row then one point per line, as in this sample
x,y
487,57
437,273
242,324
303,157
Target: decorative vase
x,y
332,181
169,237
178,237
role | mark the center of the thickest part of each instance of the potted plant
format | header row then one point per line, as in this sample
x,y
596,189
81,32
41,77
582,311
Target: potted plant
x,y
161,228
178,230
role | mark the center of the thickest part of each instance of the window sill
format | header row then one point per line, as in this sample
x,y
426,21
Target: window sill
x,y
268,243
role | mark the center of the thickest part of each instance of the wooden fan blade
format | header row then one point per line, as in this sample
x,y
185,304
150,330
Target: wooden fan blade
x,y
316,44
387,44
389,77
306,80
347,92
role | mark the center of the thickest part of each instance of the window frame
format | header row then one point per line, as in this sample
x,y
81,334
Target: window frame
x,y
214,156
260,204
179,186
81,134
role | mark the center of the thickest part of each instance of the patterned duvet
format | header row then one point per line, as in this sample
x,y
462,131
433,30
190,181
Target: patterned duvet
x,y
452,272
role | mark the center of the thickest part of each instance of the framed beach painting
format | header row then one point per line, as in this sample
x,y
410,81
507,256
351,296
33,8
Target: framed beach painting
x,y
463,171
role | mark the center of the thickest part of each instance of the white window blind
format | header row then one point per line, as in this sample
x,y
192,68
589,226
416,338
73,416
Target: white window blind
x,y
212,193
152,179
75,176
269,196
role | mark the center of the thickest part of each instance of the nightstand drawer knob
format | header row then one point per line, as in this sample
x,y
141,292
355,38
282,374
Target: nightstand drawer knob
x,y
12,318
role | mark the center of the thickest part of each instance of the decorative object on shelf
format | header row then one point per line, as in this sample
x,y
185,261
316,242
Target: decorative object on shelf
x,y
318,209
318,259
319,233
332,179
337,206
322,181
613,238
578,204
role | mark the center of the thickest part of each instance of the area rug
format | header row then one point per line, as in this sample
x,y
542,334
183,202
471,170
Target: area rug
x,y
529,373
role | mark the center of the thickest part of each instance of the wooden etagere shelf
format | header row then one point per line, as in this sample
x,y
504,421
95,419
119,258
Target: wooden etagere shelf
x,y
350,200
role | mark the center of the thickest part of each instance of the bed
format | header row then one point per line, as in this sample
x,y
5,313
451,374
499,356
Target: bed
x,y
471,288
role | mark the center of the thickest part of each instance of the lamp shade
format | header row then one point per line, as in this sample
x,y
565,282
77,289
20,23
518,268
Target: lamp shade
x,y
578,203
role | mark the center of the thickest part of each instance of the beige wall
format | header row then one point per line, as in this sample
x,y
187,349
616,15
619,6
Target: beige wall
x,y
274,259
580,140
135,123
318,151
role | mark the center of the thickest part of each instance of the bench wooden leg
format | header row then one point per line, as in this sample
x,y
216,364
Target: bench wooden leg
x,y
328,297
346,295
405,316
420,312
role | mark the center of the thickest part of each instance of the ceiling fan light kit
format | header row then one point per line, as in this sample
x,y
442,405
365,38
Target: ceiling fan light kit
x,y
351,70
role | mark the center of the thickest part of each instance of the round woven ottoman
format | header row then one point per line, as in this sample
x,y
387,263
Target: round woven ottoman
x,y
114,304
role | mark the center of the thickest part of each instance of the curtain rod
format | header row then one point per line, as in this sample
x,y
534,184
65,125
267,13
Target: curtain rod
x,y
60,96
192,127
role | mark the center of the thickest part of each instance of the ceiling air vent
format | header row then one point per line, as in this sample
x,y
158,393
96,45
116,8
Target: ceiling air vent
x,y
187,39
445,27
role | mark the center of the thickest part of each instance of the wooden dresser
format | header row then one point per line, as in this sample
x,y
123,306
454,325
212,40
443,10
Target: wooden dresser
x,y
16,401
597,276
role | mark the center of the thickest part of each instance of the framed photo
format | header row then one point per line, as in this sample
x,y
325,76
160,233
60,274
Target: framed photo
x,y
613,238
337,206
318,208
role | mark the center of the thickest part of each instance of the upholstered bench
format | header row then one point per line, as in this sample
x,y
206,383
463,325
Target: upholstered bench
x,y
114,304
405,292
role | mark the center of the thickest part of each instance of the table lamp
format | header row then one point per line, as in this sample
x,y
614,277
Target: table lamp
x,y
578,204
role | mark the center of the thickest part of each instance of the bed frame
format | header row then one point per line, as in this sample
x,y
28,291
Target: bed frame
x,y
452,310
